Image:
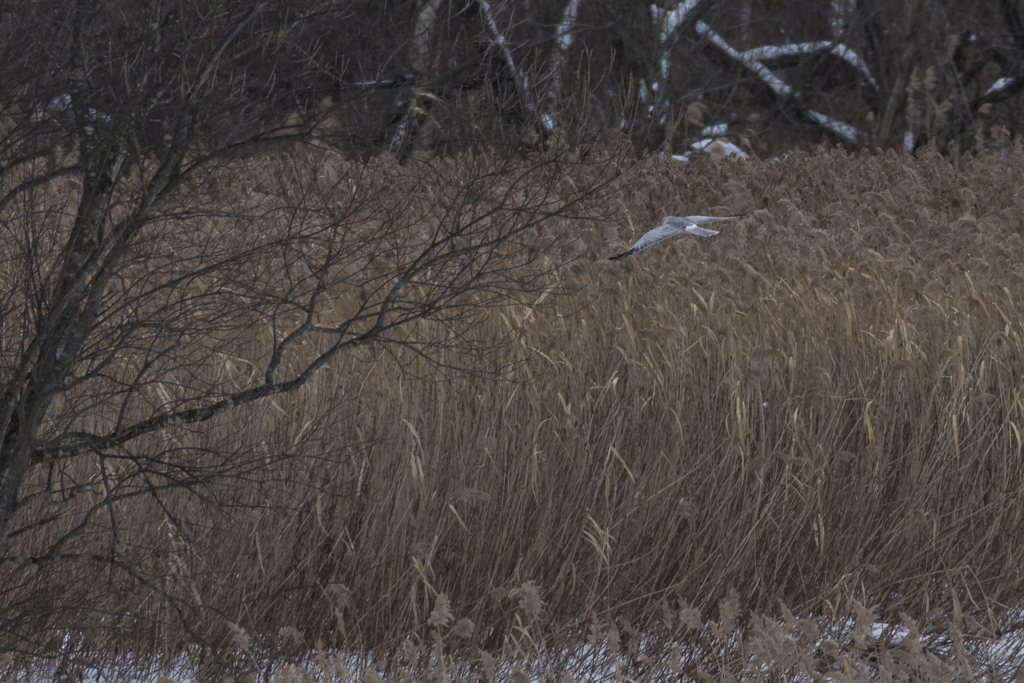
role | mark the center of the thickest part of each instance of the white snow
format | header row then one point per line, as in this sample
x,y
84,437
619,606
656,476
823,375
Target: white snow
x,y
671,19
711,145
769,52
896,633
764,73
668,21
565,36
521,79
1001,84
844,130
590,656
854,60
715,131
63,103
840,9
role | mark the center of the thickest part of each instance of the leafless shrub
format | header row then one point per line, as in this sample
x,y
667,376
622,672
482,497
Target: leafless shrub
x,y
817,409
152,284
791,451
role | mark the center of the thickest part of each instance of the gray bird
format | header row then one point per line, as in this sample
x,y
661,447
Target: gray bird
x,y
673,225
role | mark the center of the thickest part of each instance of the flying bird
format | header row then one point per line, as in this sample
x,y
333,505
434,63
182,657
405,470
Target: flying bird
x,y
673,225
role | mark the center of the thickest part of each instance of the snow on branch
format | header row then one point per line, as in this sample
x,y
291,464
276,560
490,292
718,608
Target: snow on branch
x,y
999,85
564,38
840,51
668,21
753,60
843,130
719,147
672,18
499,37
521,81
764,74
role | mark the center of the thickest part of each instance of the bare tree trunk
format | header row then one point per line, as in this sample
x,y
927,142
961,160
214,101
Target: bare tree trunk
x,y
82,282
563,42
164,319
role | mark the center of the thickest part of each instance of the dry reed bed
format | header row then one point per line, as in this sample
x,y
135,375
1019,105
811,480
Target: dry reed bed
x,y
821,408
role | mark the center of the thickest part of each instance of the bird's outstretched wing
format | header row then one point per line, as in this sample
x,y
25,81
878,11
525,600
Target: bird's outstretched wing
x,y
701,220
673,225
663,231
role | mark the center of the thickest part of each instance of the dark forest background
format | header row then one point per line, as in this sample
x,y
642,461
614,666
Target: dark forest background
x,y
405,77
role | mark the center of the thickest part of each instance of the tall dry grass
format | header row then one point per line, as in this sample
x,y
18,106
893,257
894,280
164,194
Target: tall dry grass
x,y
716,458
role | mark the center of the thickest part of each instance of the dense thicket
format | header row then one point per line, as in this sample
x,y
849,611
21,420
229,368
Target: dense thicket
x,y
815,415
441,75
310,349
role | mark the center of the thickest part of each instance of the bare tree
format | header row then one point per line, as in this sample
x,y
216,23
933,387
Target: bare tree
x,y
160,213
179,190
